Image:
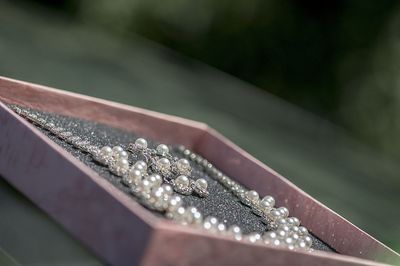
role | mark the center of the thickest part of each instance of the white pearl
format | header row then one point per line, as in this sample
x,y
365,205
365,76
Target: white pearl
x,y
168,189
106,151
164,163
210,223
155,179
265,205
182,181
162,149
141,143
235,231
135,175
308,241
174,203
296,221
284,211
221,228
303,230
201,183
281,233
117,149
269,237
141,163
252,195
269,199
275,214
253,237
123,164
183,166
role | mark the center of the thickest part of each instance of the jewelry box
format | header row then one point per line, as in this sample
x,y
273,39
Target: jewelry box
x,y
123,232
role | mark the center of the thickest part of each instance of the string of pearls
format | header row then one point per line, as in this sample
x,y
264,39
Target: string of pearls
x,y
143,177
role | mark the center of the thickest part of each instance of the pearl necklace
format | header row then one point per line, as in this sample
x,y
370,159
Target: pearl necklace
x,y
156,178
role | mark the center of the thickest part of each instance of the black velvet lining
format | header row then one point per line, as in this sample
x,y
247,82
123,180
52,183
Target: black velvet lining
x,y
220,203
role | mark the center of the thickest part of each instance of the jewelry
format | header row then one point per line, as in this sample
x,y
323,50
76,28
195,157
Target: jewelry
x,y
155,177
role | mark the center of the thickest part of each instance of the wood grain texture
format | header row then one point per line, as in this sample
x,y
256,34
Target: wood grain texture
x,y
120,230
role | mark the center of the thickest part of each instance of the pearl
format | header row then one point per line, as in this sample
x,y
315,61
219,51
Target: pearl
x,y
252,195
235,231
141,143
168,189
265,206
164,164
106,152
182,181
281,233
122,164
116,150
210,223
308,241
253,237
284,211
135,175
270,200
155,179
221,228
162,149
141,163
183,166
303,230
201,183
269,237
296,221
174,203
275,214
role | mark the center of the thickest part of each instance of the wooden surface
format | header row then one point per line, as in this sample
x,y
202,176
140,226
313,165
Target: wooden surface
x,y
345,175
122,232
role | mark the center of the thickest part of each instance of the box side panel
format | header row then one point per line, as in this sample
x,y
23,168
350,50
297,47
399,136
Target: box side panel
x,y
89,207
327,225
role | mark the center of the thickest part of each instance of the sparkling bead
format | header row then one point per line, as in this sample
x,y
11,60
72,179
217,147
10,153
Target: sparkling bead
x,y
183,167
235,231
162,149
284,211
141,143
202,183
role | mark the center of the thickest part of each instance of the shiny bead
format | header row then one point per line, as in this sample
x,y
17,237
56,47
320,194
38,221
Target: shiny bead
x,y
106,151
296,221
183,166
163,164
221,228
269,237
167,189
210,223
182,181
252,195
162,149
201,183
303,230
253,237
135,175
155,179
284,211
235,231
141,143
275,214
270,200
174,203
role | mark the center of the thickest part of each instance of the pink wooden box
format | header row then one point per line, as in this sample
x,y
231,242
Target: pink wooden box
x,y
121,231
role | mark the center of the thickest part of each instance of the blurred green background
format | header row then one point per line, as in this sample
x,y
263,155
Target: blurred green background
x,y
309,88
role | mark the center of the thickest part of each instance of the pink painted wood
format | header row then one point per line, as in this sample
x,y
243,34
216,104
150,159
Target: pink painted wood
x,y
124,233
